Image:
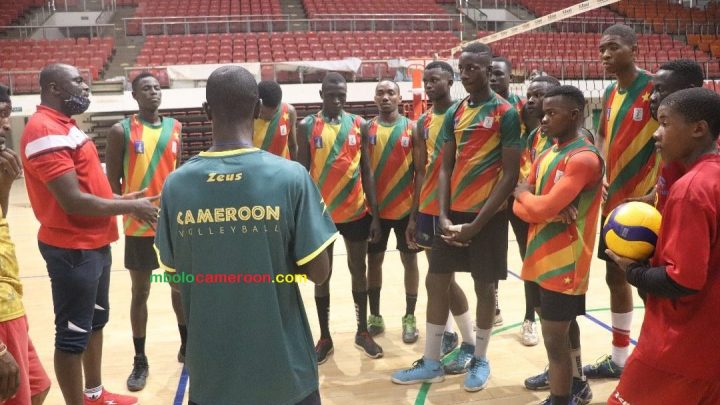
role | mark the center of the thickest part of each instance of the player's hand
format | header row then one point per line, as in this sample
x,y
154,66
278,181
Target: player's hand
x,y
647,198
410,233
10,168
623,262
9,376
458,235
146,210
375,231
134,195
522,187
568,215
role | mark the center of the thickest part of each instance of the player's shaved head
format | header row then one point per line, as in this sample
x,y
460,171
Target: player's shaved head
x,y
625,33
232,93
444,66
478,47
390,82
333,78
56,73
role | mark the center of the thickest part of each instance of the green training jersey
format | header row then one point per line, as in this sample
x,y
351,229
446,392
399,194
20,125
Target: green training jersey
x,y
244,212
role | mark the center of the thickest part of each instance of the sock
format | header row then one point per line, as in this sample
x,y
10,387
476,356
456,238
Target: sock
x,y
183,337
433,340
621,324
482,340
465,324
360,298
93,393
559,399
529,306
577,363
497,301
139,343
410,301
323,310
374,299
449,323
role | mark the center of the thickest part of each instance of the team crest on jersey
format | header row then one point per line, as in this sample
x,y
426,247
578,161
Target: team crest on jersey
x,y
558,175
607,113
637,114
488,122
372,139
405,141
283,130
318,142
174,148
139,147
352,140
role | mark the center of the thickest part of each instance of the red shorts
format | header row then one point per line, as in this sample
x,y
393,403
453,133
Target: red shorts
x,y
642,384
33,379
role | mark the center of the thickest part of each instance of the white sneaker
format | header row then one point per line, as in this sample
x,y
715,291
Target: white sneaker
x,y
498,320
529,336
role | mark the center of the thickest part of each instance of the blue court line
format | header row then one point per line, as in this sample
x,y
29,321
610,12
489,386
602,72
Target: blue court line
x,y
180,393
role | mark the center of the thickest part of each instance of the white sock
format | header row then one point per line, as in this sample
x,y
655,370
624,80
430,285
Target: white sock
x,y
433,340
577,363
93,393
482,340
449,324
465,324
621,324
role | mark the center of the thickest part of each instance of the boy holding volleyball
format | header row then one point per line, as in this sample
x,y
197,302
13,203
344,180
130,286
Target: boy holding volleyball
x,y
676,359
559,249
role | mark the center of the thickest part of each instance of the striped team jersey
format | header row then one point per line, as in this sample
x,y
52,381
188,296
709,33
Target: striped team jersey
x,y
631,159
150,155
432,124
335,164
480,134
391,160
517,102
272,135
558,255
535,144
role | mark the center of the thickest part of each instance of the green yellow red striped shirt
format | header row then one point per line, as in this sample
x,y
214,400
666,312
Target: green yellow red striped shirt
x,y
272,135
480,133
391,160
432,124
150,156
335,164
558,255
630,155
535,144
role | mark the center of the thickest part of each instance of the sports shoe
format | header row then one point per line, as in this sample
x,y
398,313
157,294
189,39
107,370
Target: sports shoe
x,y
108,398
376,325
365,342
181,354
323,349
478,375
498,319
139,374
581,392
548,401
410,331
603,368
538,382
529,335
459,365
449,342
422,371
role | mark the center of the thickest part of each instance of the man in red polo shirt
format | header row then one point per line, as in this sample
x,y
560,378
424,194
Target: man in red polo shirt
x,y
72,199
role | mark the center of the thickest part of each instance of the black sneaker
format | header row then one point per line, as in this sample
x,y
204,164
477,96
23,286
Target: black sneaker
x,y
138,376
181,354
323,349
365,342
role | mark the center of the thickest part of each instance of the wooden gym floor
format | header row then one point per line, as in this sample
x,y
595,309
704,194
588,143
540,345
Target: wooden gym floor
x,y
348,376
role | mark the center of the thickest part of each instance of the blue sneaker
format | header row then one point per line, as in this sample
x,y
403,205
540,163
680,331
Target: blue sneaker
x,y
422,371
449,343
548,401
603,368
538,382
581,392
478,375
459,365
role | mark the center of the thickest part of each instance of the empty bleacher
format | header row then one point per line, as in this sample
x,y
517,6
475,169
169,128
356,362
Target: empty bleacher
x,y
170,8
11,11
23,59
318,8
669,17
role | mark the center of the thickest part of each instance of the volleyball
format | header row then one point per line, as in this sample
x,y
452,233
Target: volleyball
x,y
632,230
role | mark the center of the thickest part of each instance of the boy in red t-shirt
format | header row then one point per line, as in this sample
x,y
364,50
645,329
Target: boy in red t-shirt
x,y
676,360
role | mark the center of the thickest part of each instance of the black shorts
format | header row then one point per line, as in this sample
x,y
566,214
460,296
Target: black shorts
x,y
425,229
356,231
485,258
397,225
601,243
140,254
520,228
555,306
312,399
